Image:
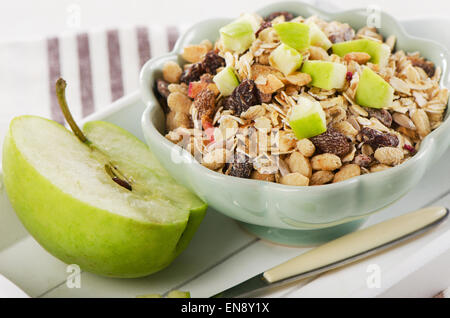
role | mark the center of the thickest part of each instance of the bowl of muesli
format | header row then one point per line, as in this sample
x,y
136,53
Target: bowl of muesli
x,y
296,122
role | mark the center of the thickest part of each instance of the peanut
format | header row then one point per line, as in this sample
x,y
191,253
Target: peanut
x,y
389,155
321,177
295,178
172,72
347,172
326,161
306,147
422,123
179,102
298,163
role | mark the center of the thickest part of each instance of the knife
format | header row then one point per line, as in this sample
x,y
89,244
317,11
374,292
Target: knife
x,y
344,250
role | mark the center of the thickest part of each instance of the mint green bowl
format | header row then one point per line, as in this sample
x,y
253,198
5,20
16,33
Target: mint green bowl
x,y
290,214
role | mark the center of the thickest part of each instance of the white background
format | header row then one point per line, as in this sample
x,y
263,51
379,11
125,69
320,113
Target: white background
x,y
31,19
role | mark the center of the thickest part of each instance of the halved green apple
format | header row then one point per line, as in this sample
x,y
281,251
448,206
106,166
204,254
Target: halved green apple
x,y
293,34
326,75
101,200
286,59
307,118
237,36
373,91
317,37
379,52
226,81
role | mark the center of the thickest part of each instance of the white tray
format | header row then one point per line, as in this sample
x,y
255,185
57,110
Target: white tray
x,y
222,254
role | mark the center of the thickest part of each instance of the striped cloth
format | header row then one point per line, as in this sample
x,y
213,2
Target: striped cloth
x,y
99,67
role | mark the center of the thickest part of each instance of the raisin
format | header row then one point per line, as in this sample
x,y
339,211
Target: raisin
x,y
243,97
287,16
241,166
332,141
192,73
163,88
382,115
212,62
265,98
376,138
205,104
363,160
427,66
264,25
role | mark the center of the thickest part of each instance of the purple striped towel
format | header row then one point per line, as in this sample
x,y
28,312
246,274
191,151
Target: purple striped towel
x,y
99,68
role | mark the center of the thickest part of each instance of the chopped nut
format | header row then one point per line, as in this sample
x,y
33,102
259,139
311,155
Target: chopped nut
x,y
271,85
298,163
175,120
379,167
194,53
389,155
295,179
321,177
421,121
299,79
358,57
262,176
306,147
403,121
172,72
179,103
326,161
317,53
347,172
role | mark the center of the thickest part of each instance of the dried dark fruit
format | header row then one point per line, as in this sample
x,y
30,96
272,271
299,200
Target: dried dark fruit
x,y
241,166
264,25
243,97
192,73
212,62
382,115
427,66
340,32
265,98
363,160
206,78
205,103
287,16
163,88
332,141
376,138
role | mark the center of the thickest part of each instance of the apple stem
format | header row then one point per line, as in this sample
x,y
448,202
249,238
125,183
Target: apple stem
x,y
61,95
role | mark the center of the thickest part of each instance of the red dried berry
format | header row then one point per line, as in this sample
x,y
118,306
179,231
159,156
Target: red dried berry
x,y
349,76
376,138
410,148
332,141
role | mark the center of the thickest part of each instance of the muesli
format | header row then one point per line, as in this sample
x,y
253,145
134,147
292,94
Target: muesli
x,y
300,101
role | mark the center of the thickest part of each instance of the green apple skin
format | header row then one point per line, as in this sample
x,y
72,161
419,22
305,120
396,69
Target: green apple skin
x,y
307,119
286,59
237,36
293,34
326,75
373,91
226,81
97,240
379,52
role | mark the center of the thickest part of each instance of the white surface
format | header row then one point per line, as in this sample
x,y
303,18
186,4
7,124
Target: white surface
x,y
30,19
9,290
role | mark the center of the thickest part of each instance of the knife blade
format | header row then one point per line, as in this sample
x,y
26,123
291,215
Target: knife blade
x,y
342,251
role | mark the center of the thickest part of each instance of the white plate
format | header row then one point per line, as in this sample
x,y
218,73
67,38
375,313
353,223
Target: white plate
x,y
222,254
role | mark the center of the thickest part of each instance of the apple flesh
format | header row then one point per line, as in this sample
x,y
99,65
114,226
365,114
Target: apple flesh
x,y
293,34
63,194
226,81
373,91
379,52
326,75
317,37
307,118
238,36
286,59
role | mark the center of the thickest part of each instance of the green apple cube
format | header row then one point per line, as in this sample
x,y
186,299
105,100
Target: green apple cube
x,y
317,37
326,75
379,52
373,91
286,59
253,19
293,34
237,36
307,118
226,81
73,198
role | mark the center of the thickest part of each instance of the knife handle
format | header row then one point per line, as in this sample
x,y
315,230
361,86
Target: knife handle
x,y
356,245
